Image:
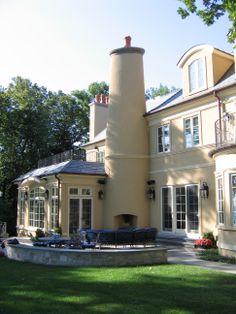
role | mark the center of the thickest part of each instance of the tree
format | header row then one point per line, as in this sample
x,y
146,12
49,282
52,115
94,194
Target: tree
x,y
153,92
96,88
210,11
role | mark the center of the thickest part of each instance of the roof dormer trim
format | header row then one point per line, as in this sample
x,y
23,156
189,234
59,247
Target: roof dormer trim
x,y
192,51
203,47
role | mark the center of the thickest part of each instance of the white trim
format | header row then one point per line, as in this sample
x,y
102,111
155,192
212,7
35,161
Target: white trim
x,y
173,169
126,156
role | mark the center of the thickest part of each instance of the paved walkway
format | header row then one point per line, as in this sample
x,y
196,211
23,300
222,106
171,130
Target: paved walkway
x,y
186,255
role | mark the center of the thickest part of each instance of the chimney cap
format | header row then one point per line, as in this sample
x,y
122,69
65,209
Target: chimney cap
x,y
127,41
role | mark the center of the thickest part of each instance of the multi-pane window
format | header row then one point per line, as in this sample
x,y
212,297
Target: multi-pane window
x,y
36,208
192,207
191,131
163,138
21,208
233,196
197,75
180,208
166,209
54,208
220,200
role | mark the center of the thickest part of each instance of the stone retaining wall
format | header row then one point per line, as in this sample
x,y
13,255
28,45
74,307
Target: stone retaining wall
x,y
88,257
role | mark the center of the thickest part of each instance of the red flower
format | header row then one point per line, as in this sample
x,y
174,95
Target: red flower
x,y
206,243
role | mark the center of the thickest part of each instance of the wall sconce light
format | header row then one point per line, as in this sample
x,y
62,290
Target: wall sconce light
x,y
151,194
151,182
46,194
1,194
26,195
100,194
204,190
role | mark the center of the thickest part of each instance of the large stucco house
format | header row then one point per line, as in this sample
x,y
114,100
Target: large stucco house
x,y
172,166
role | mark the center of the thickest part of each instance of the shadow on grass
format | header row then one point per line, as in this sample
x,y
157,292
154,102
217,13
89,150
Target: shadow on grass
x,y
28,288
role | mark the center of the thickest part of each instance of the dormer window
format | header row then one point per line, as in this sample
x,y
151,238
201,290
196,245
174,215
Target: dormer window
x,y
197,79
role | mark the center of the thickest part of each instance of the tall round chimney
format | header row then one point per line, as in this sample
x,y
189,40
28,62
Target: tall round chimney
x,y
126,155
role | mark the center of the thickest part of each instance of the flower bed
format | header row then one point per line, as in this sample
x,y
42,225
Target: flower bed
x,y
203,243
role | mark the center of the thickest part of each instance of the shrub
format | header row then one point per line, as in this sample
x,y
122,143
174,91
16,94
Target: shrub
x,y
39,233
209,235
58,230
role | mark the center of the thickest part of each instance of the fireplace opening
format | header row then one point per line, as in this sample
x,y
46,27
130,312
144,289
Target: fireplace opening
x,y
125,221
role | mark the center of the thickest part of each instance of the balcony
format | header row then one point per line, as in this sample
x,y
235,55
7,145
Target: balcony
x,y
225,131
72,154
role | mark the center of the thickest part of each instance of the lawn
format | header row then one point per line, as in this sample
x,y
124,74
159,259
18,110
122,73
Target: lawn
x,y
28,288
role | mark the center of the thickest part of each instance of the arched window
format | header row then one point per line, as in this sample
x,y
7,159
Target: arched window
x,y
36,208
197,79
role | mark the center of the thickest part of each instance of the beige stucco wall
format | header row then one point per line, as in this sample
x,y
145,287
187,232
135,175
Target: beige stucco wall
x,y
127,149
97,119
183,166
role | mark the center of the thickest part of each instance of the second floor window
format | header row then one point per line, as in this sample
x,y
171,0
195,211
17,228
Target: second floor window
x,y
197,75
163,138
191,131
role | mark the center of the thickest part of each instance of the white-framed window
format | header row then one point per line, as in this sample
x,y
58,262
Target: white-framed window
x,y
166,199
163,138
197,77
80,208
220,200
233,198
54,208
36,207
21,207
191,131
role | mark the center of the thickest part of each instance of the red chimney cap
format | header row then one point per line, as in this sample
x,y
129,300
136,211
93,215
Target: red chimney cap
x,y
128,41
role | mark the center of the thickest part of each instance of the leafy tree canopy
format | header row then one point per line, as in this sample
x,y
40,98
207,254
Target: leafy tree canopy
x,y
153,92
211,10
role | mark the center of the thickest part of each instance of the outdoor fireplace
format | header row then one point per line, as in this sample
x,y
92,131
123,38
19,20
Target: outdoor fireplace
x,y
125,221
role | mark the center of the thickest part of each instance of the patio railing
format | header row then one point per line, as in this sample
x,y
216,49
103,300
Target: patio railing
x,y
72,154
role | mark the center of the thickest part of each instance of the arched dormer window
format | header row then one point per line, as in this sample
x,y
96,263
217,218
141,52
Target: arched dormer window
x,y
197,77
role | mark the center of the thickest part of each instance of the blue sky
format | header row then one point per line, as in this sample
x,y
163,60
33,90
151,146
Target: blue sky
x,y
65,44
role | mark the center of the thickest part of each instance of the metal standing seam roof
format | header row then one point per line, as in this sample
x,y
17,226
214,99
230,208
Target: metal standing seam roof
x,y
67,167
177,98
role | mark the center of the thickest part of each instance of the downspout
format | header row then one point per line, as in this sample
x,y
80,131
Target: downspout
x,y
59,199
219,111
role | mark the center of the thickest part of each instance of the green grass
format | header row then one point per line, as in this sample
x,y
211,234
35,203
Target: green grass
x,y
213,255
28,288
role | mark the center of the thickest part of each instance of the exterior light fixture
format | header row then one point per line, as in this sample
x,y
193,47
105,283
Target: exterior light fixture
x,y
26,195
204,190
46,194
100,194
102,182
151,194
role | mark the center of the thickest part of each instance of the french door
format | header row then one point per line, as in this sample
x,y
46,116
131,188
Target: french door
x,y
186,208
180,208
80,214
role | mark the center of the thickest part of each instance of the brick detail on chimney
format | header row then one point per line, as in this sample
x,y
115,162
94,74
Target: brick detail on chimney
x,y
101,99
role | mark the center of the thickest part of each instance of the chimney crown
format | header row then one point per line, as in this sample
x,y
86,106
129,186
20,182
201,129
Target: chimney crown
x,y
128,41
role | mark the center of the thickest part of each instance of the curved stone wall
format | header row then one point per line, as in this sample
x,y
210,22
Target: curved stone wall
x,y
87,257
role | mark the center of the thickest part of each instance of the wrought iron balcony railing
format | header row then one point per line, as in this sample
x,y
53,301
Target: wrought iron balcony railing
x,y
72,154
225,130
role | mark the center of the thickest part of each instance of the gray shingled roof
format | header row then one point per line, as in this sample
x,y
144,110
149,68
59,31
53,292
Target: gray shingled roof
x,y
69,167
